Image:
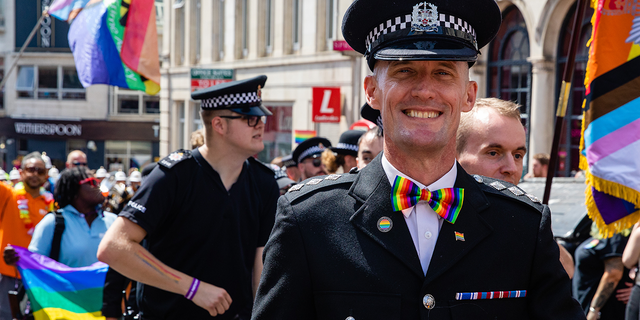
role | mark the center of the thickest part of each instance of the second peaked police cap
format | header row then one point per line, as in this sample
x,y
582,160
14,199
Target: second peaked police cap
x,y
242,96
453,30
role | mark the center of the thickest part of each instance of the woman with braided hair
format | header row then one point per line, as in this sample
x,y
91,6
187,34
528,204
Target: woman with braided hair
x,y
78,195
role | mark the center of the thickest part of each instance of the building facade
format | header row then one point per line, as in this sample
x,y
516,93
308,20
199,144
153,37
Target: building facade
x,y
293,42
44,107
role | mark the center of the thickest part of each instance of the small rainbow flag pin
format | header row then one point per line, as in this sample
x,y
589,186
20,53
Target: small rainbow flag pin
x,y
385,224
302,135
459,236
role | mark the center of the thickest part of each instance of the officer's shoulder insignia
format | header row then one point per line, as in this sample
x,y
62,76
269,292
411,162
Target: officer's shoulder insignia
x,y
175,157
314,184
496,186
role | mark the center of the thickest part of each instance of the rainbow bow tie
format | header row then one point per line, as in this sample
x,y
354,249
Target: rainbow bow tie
x,y
445,202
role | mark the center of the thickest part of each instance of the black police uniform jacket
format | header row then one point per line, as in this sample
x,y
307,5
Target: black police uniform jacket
x,y
327,259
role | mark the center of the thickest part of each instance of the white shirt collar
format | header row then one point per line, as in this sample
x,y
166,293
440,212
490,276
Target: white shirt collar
x,y
446,181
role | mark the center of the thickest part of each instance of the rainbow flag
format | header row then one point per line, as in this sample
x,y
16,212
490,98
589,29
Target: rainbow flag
x,y
67,9
57,291
302,135
140,43
610,149
109,46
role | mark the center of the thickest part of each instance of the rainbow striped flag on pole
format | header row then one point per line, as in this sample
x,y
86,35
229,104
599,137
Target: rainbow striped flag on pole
x,y
57,291
115,42
610,150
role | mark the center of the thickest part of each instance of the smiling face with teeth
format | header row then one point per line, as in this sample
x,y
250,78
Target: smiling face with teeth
x,y
420,104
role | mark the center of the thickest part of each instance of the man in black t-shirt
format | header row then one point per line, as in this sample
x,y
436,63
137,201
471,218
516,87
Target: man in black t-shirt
x,y
206,215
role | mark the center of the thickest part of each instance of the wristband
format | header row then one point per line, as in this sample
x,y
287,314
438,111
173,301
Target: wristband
x,y
592,309
193,289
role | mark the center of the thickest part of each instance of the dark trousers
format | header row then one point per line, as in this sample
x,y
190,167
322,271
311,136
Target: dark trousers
x,y
633,306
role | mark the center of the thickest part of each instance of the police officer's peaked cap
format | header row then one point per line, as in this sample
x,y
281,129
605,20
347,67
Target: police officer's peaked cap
x,y
312,147
420,30
243,97
348,143
288,161
371,114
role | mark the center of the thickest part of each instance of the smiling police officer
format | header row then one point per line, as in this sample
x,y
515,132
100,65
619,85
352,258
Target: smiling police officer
x,y
206,215
412,235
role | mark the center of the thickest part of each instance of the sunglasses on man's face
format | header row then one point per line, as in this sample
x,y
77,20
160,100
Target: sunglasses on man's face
x,y
252,121
78,163
317,162
91,181
37,170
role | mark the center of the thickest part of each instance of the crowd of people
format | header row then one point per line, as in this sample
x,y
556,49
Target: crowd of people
x,y
419,217
61,215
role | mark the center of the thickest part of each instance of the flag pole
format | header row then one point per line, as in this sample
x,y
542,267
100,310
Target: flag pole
x,y
565,92
45,13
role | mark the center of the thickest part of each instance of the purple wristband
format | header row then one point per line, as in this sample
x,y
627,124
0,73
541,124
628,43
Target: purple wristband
x,y
193,289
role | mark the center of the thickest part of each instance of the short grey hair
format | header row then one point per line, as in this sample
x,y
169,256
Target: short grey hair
x,y
33,155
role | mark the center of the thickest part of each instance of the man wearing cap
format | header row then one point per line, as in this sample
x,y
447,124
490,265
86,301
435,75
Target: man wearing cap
x,y
343,155
291,167
412,235
308,156
205,215
101,174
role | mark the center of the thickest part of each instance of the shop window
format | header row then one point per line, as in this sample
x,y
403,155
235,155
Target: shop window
x,y
123,155
509,75
277,133
49,82
569,147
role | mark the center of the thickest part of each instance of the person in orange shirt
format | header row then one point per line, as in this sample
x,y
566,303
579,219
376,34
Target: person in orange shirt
x,y
21,213
8,207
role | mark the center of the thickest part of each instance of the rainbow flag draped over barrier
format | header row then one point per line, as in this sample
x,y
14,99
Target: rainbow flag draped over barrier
x,y
57,291
610,150
115,42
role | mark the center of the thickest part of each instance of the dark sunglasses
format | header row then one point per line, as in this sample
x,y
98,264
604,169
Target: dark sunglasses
x,y
77,164
91,181
252,121
37,170
316,162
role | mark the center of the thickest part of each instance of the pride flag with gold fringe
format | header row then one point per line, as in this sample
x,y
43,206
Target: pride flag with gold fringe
x,y
610,148
115,42
57,291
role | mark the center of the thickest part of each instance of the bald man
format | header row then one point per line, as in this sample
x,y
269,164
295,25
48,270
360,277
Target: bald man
x,y
76,158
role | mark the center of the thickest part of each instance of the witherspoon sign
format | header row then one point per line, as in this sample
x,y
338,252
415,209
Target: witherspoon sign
x,y
48,129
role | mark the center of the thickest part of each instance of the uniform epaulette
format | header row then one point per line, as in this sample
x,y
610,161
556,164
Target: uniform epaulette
x,y
261,165
505,188
175,157
318,183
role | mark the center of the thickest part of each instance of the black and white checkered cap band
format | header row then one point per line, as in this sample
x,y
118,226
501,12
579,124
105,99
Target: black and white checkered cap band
x,y
347,146
310,151
231,99
403,22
